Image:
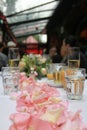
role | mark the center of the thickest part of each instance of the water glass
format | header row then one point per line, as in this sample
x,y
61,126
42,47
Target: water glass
x,y
57,72
10,78
75,83
49,68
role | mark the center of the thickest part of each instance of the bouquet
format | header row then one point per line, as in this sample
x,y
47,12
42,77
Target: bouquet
x,y
34,65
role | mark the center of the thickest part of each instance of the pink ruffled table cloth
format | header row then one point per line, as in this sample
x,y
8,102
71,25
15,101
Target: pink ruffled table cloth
x,y
8,110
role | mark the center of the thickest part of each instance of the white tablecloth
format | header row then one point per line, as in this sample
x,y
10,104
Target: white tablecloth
x,y
8,106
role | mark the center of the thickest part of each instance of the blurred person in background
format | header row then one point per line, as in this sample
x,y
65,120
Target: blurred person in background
x,y
67,44
5,49
53,54
3,57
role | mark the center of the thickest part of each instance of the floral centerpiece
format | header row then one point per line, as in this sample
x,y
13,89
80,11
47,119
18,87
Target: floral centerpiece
x,y
34,65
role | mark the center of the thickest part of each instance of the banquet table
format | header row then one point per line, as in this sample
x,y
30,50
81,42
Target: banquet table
x,y
8,106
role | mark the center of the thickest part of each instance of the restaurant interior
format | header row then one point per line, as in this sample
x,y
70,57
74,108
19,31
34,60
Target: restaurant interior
x,y
43,78
47,22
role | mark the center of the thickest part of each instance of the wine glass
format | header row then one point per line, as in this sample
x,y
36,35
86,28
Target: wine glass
x,y
14,56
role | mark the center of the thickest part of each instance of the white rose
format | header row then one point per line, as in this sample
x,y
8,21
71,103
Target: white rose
x,y
43,70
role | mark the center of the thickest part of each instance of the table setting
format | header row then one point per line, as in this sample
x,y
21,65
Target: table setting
x,y
43,103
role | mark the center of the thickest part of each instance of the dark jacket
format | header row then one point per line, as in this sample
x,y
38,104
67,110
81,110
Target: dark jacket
x,y
56,59
3,60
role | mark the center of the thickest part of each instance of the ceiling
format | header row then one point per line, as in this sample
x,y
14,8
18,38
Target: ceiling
x,y
26,17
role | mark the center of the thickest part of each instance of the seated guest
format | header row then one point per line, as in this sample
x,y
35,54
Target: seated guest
x,y
3,57
5,51
68,43
56,58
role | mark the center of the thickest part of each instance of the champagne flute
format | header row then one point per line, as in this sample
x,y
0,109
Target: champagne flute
x,y
74,57
13,56
32,66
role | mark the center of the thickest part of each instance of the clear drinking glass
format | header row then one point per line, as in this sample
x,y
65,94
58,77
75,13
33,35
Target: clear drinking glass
x,y
75,83
14,57
57,72
49,69
74,57
10,78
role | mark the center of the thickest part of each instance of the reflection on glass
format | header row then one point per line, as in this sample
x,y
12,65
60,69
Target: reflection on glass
x,y
75,83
